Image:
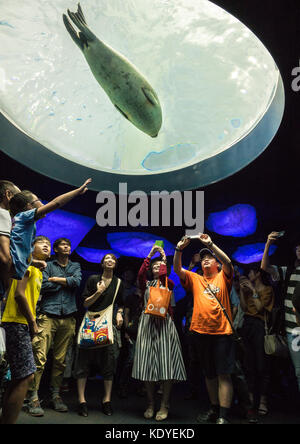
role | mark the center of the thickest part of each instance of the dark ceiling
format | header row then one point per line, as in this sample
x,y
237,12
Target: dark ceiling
x,y
270,183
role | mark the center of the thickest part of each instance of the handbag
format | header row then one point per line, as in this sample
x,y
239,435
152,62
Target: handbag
x,y
96,329
159,300
240,347
274,343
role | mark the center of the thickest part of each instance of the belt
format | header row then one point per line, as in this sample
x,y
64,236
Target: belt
x,y
55,316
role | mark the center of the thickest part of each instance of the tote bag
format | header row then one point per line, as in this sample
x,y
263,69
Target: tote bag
x,y
159,300
96,329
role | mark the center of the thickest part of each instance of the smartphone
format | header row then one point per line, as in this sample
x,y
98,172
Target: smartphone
x,y
159,243
281,233
193,236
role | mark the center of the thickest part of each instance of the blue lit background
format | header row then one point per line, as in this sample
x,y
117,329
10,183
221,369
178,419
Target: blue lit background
x,y
247,254
61,223
238,221
137,244
94,255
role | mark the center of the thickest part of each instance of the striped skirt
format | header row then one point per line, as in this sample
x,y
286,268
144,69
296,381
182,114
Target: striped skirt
x,y
158,355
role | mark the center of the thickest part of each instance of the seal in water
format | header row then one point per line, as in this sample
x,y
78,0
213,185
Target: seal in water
x,y
128,90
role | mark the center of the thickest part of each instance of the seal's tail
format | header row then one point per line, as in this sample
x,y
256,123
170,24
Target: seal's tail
x,y
82,38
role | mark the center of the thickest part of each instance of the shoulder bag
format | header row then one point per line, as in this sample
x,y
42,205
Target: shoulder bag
x,y
96,329
236,337
275,343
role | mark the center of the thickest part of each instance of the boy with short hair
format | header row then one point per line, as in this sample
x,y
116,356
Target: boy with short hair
x,y
19,322
27,208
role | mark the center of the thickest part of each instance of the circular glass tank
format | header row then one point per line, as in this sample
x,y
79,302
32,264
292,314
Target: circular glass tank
x,y
219,91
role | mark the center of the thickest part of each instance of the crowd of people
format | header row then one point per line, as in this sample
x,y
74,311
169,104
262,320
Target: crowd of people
x,y
216,332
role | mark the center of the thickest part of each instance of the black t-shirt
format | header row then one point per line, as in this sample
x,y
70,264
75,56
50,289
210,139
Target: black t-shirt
x,y
106,298
134,304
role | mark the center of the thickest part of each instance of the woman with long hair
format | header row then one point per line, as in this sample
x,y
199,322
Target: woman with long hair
x,y
100,293
158,356
257,301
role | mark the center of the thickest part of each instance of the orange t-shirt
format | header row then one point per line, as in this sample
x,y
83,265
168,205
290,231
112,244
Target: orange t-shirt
x,y
208,317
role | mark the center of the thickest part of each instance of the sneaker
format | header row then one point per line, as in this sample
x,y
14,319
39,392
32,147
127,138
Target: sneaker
x,y
209,416
34,408
222,421
65,388
58,405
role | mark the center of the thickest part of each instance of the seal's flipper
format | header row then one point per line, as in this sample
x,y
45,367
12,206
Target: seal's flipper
x,y
72,32
150,96
80,23
80,14
122,112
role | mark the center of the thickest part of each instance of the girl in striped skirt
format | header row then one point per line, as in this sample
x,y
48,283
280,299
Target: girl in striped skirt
x,y
158,356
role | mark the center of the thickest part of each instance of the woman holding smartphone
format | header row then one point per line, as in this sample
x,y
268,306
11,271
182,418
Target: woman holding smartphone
x,y
158,356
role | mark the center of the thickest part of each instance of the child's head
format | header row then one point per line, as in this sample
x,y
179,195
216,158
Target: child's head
x,y
41,248
23,201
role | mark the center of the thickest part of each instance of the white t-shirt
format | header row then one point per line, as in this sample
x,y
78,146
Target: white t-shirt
x,y
5,222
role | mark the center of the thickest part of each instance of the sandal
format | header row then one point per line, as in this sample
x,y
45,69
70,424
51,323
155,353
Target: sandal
x,y
149,413
162,414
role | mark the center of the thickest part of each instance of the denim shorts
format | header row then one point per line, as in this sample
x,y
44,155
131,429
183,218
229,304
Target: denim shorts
x,y
19,352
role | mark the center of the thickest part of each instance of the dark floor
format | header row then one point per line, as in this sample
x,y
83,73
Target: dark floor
x,y
130,411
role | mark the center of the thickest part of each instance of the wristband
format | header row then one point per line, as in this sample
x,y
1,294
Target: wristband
x,y
178,249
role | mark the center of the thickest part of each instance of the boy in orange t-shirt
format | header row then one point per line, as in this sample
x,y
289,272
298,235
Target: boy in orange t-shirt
x,y
212,333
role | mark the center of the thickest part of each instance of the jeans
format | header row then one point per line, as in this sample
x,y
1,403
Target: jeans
x,y
293,340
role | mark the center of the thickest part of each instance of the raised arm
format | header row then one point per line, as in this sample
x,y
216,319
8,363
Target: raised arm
x,y
223,258
163,271
62,200
177,263
265,262
142,274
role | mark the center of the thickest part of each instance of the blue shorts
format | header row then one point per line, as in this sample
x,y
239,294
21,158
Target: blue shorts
x,y
216,353
19,352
